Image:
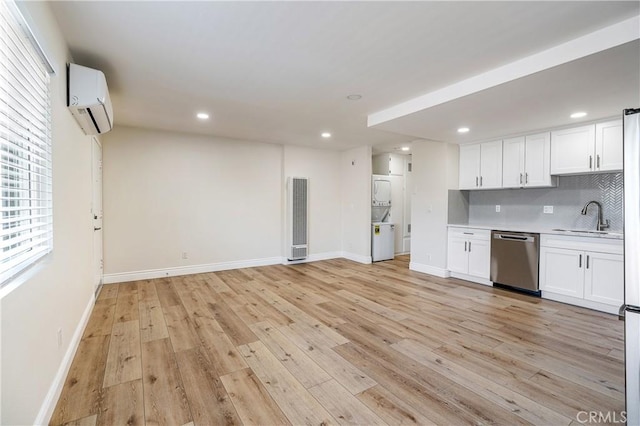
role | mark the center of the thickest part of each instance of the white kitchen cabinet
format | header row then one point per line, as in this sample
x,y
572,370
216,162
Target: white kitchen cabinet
x,y
480,166
469,166
469,254
582,271
561,271
609,146
526,162
479,251
604,278
585,149
388,164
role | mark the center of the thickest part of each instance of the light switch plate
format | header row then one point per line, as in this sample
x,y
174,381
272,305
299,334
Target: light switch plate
x,y
548,209
497,208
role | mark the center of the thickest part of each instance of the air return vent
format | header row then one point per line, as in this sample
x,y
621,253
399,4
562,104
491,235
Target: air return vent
x,y
297,218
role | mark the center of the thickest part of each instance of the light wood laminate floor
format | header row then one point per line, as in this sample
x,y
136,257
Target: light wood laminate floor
x,y
337,342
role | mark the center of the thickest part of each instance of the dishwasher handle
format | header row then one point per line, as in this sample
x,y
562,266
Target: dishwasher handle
x,y
512,237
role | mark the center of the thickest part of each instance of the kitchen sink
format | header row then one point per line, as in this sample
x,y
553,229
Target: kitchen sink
x,y
584,231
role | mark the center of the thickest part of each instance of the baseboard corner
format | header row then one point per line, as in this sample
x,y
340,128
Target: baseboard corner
x,y
51,399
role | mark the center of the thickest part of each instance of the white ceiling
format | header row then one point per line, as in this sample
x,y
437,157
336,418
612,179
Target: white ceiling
x,y
280,71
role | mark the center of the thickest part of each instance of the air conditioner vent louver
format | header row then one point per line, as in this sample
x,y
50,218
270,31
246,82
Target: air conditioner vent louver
x,y
297,218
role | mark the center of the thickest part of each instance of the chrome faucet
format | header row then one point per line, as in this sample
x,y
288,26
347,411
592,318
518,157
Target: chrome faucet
x,y
601,224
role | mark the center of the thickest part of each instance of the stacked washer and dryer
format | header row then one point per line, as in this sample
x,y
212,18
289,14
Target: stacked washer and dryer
x,y
382,231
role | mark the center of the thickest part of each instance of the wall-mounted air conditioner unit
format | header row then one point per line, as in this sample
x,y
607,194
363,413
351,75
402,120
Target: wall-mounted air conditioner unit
x,y
88,99
297,218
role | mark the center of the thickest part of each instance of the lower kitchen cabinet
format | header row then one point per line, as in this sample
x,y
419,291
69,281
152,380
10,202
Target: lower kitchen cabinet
x,y
561,271
582,271
604,278
469,254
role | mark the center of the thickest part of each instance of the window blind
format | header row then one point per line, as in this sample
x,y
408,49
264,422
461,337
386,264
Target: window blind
x,y
26,214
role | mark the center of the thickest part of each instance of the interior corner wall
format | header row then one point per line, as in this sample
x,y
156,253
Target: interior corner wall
x,y
355,175
175,202
435,171
57,292
322,167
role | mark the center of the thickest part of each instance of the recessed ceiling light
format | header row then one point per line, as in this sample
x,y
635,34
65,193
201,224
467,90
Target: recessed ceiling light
x,y
578,114
405,148
354,97
202,115
463,130
325,135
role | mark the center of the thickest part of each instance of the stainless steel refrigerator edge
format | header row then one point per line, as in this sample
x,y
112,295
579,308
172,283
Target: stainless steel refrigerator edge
x,y
631,305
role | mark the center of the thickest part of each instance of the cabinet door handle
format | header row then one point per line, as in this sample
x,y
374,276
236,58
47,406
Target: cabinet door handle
x,y
476,180
526,178
469,246
587,261
590,162
480,180
580,262
520,178
465,246
598,161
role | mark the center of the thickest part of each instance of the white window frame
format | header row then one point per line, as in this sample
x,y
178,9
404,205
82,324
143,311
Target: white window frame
x,y
26,210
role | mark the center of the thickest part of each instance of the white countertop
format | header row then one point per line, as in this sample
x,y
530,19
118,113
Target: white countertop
x,y
615,235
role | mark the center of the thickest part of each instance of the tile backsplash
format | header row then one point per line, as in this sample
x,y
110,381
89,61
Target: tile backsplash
x,y
525,206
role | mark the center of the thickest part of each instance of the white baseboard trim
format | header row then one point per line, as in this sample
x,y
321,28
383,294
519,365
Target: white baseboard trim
x,y
428,269
313,258
50,401
356,257
471,278
121,277
575,301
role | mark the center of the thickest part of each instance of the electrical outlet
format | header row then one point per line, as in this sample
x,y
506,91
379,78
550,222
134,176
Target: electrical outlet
x,y
497,208
59,337
547,209
185,255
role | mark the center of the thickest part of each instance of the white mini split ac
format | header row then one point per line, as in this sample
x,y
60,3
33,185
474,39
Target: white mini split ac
x,y
297,218
88,99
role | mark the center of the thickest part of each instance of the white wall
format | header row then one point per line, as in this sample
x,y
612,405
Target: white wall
x,y
356,203
57,292
167,193
435,171
322,167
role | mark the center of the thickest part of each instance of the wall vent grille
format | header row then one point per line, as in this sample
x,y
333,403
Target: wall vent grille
x,y
298,218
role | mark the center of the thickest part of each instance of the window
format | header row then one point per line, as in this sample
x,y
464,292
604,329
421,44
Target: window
x,y
26,214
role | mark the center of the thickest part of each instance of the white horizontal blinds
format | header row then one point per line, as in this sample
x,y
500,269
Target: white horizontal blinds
x,y
26,229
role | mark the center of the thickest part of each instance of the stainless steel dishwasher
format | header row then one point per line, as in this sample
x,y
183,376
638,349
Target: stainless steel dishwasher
x,y
515,259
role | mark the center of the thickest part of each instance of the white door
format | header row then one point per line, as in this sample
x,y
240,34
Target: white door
x,y
469,166
604,278
609,145
537,160
513,163
408,191
491,164
561,271
96,211
457,256
572,150
479,258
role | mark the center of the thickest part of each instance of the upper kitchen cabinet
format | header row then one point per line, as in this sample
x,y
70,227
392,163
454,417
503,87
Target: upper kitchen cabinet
x,y
585,149
526,161
481,165
609,146
388,164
